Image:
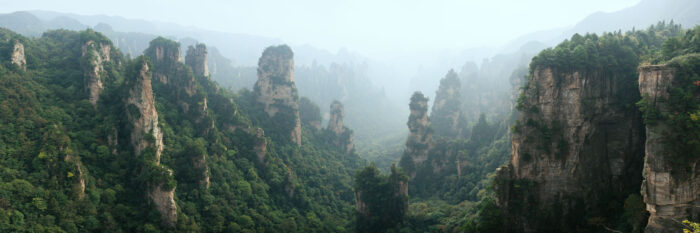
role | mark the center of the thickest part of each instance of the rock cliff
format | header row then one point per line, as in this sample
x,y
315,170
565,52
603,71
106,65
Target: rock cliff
x,y
94,55
146,134
342,136
671,193
197,59
420,134
17,56
446,114
576,148
276,91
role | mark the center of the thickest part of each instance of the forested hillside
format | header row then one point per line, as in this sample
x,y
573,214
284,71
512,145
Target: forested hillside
x,y
94,141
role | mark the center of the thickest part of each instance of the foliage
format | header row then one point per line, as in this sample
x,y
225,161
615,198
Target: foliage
x,y
383,202
52,139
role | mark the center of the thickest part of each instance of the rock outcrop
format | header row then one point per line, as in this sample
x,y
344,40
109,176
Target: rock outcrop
x,y
197,59
146,134
420,134
446,113
342,136
576,148
276,91
95,54
670,193
17,56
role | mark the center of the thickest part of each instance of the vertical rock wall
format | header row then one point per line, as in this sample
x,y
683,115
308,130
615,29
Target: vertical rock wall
x,y
671,195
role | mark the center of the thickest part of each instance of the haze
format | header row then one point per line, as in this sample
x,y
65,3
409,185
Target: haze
x,y
370,27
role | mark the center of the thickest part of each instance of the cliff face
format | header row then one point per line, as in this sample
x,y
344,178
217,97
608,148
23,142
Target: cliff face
x,y
95,55
197,59
670,197
343,137
420,133
17,56
446,113
146,133
169,70
276,91
575,146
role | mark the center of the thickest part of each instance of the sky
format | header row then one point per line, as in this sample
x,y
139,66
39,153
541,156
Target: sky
x,y
363,25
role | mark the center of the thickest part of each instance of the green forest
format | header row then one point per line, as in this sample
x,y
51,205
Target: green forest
x,y
93,139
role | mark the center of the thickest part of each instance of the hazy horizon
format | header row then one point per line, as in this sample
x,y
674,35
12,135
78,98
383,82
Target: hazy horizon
x,y
368,27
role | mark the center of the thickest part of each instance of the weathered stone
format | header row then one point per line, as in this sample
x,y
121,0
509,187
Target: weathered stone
x,y
17,57
446,112
669,199
96,54
275,87
420,134
342,136
142,114
197,59
575,145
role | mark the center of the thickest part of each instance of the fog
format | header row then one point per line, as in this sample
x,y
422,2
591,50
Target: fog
x,y
371,55
382,29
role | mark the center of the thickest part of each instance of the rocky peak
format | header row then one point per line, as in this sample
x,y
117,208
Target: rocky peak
x,y
335,123
420,133
141,112
275,88
164,50
197,59
670,198
446,112
17,57
343,137
562,154
94,54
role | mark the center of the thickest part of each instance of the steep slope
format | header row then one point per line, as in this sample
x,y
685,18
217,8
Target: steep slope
x,y
671,105
577,150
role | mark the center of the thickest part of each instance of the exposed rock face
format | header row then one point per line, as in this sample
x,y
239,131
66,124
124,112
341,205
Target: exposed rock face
x,y
446,113
575,148
169,70
197,59
164,200
335,123
145,117
669,199
420,134
275,88
146,133
17,57
95,55
343,137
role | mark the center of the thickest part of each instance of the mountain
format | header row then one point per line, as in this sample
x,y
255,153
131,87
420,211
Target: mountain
x,y
93,140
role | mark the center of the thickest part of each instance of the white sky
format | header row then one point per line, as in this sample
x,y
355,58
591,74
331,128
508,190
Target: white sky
x,y
362,25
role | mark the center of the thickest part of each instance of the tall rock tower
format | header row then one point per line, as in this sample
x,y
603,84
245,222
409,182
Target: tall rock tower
x,y
576,148
671,187
420,134
342,136
276,91
446,113
147,137
197,59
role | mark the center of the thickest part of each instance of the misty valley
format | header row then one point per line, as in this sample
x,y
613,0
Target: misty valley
x,y
109,124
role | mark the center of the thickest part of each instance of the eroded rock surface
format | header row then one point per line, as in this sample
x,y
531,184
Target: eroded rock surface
x,y
342,136
575,147
671,196
95,55
17,57
275,88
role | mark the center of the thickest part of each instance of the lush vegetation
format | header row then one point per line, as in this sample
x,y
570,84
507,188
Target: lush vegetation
x,y
53,140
